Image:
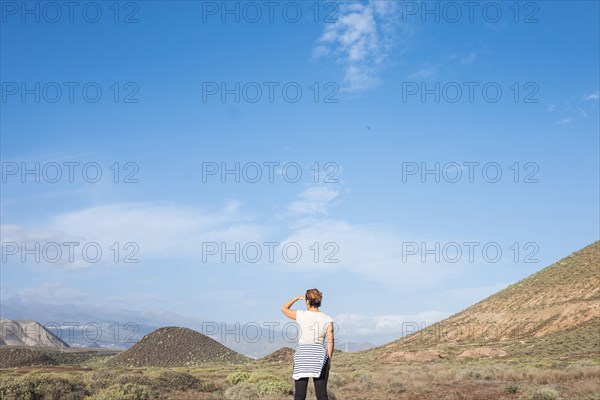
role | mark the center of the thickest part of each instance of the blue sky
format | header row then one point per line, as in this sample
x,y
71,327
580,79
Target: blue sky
x,y
162,121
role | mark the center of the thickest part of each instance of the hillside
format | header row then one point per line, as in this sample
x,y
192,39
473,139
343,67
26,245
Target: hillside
x,y
555,306
285,354
27,333
14,357
176,347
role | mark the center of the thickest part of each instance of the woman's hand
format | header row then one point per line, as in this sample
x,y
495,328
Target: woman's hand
x,y
300,298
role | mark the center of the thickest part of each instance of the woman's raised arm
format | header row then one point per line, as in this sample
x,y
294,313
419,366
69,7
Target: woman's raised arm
x,y
286,307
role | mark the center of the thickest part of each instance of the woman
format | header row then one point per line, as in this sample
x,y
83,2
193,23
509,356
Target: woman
x,y
311,358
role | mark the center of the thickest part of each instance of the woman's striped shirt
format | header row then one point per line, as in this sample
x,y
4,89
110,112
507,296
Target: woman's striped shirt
x,y
309,360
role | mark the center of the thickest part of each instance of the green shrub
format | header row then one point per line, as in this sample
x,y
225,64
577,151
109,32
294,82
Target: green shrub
x,y
61,388
236,377
274,387
360,373
46,387
128,391
17,389
134,379
176,380
545,394
256,377
103,378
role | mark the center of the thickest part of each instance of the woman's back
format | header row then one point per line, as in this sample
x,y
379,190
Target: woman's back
x,y
313,326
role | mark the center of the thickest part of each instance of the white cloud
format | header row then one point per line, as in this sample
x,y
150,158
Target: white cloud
x,y
177,233
468,59
19,234
570,113
369,325
564,121
361,39
320,51
576,114
47,245
372,251
313,200
161,229
169,231
424,72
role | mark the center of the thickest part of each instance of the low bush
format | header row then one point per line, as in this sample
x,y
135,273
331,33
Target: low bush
x,y
128,391
545,394
274,387
359,374
237,377
46,387
256,377
176,380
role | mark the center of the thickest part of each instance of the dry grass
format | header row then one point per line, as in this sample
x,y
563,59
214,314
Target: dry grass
x,y
350,378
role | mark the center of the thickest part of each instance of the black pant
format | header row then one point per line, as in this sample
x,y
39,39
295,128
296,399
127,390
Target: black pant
x,y
320,384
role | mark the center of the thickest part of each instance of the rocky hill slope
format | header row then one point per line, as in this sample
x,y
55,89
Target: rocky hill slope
x,y
537,313
27,333
176,347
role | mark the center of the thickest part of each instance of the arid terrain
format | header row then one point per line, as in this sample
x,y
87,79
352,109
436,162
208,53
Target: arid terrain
x,y
538,339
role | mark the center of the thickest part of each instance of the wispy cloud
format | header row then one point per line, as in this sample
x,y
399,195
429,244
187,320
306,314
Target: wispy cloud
x,y
564,121
425,72
573,114
176,233
447,65
593,96
41,244
468,59
573,110
172,231
314,200
373,251
361,40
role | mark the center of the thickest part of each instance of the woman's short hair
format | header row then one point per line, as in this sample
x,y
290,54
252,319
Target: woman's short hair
x,y
314,297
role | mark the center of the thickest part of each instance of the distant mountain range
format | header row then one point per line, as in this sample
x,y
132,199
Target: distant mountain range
x,y
95,327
